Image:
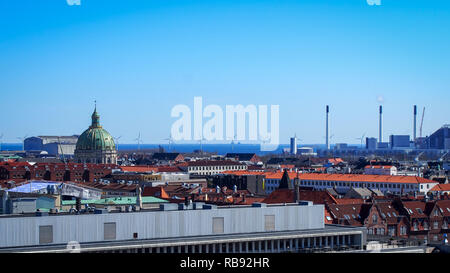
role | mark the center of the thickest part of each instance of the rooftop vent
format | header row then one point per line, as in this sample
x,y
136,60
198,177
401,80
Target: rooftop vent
x,y
41,213
198,205
168,207
100,211
307,203
207,206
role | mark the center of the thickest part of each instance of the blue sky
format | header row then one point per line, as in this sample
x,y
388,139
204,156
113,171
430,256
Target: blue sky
x,y
138,59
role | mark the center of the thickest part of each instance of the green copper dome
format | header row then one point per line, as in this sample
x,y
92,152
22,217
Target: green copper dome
x,y
95,138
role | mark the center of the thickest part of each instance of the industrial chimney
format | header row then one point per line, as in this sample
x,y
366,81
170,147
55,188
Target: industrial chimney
x,y
415,122
381,124
326,133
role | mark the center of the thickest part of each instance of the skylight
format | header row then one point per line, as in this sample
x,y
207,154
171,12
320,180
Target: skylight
x,y
419,210
388,214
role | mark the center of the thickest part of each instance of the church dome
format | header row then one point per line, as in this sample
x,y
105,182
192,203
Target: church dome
x,y
95,138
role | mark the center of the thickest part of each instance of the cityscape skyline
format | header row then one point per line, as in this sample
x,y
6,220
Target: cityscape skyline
x,y
241,53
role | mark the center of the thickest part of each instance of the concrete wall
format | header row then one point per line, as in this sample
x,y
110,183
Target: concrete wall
x,y
24,231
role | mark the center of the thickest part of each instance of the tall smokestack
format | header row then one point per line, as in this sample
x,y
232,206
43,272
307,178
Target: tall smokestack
x,y
326,133
381,124
415,122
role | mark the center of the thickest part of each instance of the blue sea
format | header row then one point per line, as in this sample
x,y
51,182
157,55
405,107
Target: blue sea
x,y
220,149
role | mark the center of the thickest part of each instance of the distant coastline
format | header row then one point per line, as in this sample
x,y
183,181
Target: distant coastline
x,y
220,149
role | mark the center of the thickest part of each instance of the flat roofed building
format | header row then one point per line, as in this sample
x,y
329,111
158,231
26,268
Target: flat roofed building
x,y
176,228
211,167
53,145
343,182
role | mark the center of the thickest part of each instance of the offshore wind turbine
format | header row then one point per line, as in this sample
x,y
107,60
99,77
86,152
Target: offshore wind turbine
x,y
116,140
361,138
139,141
22,139
170,140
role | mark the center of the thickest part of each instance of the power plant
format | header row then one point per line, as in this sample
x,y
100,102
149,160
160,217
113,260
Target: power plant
x,y
395,141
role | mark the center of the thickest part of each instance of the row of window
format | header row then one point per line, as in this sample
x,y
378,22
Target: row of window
x,y
109,229
349,184
204,168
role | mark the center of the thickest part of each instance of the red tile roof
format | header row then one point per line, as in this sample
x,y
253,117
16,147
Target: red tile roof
x,y
441,187
287,196
350,214
343,201
212,163
377,167
444,206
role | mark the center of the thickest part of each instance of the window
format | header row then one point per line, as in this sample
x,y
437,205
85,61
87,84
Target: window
x,y
45,234
269,222
109,232
436,225
445,224
419,210
374,219
217,225
391,231
403,230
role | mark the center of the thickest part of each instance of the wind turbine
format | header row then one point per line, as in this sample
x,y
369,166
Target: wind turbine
x,y
116,140
170,139
264,139
22,139
201,145
232,143
362,138
139,141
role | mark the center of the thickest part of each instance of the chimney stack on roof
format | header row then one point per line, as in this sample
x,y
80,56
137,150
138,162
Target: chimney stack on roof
x,y
415,122
326,132
381,124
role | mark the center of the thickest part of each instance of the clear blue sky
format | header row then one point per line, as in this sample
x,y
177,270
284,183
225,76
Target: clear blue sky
x,y
140,58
